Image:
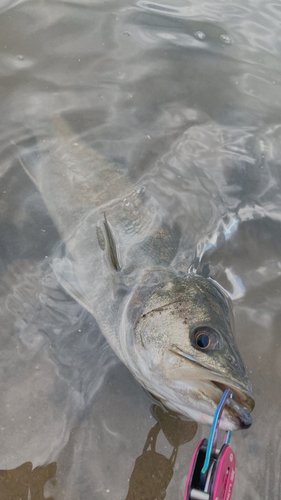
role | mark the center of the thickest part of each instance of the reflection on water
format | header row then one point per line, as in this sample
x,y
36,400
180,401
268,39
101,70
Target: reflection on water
x,y
150,477
185,97
153,471
23,483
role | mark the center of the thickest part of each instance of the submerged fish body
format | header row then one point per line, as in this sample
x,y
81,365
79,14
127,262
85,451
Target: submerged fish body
x,y
172,331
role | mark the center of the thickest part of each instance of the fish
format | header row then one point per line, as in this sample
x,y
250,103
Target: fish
x,y
172,328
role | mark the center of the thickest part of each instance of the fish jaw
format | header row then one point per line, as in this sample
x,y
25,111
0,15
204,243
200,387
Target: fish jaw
x,y
210,382
185,379
196,393
205,392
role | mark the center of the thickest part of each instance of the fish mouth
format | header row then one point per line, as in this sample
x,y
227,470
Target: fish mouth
x,y
240,406
208,387
235,415
239,396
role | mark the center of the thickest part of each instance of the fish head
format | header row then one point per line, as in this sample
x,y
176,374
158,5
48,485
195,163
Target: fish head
x,y
187,355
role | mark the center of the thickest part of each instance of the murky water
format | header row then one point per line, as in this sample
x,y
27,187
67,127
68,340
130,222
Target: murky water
x,y
186,96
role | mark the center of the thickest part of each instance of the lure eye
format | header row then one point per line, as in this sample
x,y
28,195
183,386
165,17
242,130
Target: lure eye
x,y
205,338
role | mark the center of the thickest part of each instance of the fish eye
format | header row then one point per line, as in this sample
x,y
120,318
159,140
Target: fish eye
x,y
202,340
205,338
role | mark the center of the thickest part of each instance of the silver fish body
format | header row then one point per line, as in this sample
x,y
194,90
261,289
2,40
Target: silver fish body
x,y
172,331
190,378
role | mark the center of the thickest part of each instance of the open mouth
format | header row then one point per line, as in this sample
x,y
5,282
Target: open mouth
x,y
240,406
241,398
211,385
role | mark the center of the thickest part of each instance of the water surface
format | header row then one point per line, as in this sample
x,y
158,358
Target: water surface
x,y
186,96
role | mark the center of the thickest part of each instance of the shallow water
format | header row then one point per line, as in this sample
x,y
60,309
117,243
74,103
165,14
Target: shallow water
x,y
186,96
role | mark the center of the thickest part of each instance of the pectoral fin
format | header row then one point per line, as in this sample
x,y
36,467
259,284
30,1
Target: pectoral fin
x,y
107,243
66,274
29,159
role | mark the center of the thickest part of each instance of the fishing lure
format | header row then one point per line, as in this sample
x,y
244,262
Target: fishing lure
x,y
212,471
